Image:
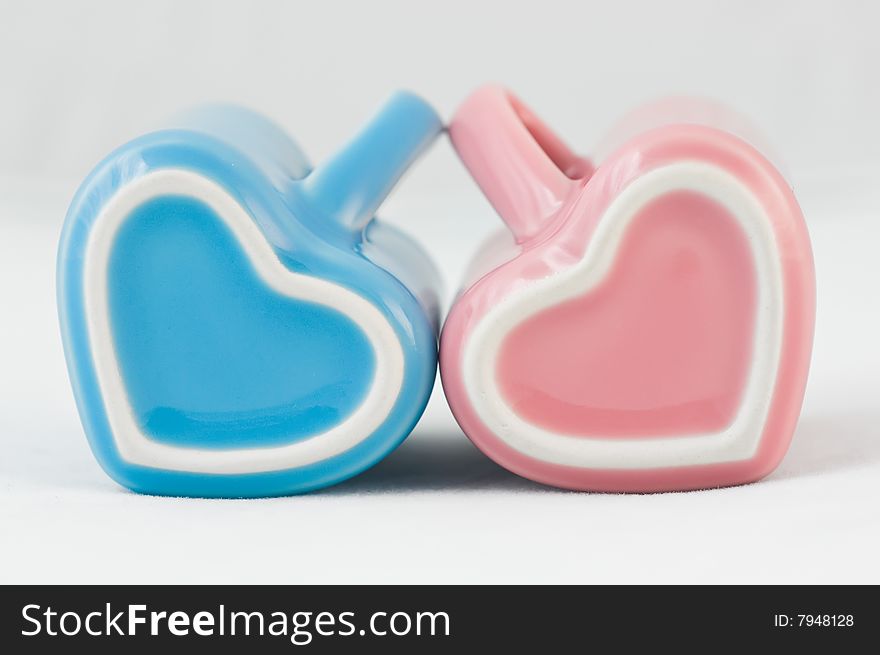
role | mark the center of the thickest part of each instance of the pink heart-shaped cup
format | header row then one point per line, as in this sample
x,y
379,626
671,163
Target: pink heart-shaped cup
x,y
646,324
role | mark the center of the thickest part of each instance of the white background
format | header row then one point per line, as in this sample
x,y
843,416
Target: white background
x,y
78,78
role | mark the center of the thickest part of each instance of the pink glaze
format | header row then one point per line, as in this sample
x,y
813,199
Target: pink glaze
x,y
660,347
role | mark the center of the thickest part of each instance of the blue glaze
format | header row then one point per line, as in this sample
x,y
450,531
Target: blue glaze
x,y
210,356
221,360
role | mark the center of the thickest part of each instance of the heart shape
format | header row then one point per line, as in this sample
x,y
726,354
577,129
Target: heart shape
x,y
648,325
171,404
669,328
514,319
209,355
238,324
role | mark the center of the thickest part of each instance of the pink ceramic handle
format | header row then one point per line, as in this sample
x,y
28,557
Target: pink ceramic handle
x,y
525,170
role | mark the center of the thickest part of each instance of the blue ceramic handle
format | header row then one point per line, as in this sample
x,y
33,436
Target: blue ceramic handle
x,y
351,185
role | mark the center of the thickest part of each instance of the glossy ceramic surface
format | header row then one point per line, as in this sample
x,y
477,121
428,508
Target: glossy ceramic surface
x,y
646,324
236,324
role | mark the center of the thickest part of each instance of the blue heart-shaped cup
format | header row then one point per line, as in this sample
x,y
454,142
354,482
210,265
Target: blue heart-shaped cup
x,y
236,324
